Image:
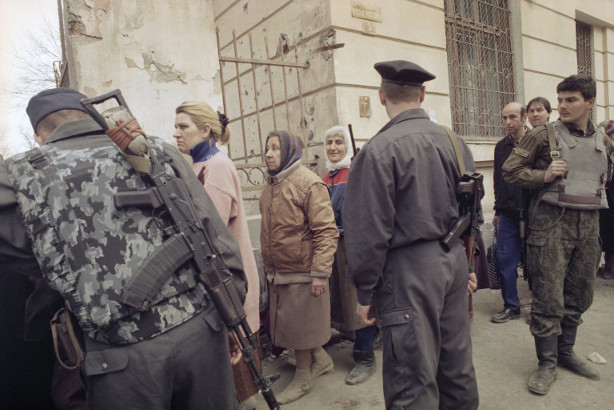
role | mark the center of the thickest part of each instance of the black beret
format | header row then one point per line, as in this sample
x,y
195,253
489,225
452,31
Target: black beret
x,y
50,101
403,73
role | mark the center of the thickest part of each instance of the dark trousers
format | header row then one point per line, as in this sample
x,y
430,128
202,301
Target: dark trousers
x,y
187,367
509,250
427,359
365,338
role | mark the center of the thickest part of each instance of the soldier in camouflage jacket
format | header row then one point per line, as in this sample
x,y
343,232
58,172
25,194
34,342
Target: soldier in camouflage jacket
x,y
181,329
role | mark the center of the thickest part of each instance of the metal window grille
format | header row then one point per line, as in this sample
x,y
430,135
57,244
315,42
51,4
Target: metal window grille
x,y
584,48
260,95
479,64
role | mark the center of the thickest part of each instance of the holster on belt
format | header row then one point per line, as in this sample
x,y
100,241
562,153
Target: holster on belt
x,y
66,343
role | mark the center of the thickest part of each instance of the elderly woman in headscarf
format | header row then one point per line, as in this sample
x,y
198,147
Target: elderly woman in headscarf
x,y
298,241
606,218
338,154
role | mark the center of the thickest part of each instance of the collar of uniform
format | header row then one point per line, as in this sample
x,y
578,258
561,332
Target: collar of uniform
x,y
78,128
590,129
412,114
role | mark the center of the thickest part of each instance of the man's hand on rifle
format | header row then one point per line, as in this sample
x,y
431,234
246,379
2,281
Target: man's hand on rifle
x,y
235,350
495,221
557,168
318,286
472,283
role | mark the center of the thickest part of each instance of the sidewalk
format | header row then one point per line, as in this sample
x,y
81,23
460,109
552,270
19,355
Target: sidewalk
x,y
503,354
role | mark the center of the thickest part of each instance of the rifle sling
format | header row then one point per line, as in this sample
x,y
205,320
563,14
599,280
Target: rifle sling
x,y
155,271
553,148
457,151
65,339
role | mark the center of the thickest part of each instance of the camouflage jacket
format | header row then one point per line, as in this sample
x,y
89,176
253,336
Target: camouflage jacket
x,y
88,250
527,164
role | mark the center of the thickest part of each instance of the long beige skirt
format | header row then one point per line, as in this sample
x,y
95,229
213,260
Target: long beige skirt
x,y
299,320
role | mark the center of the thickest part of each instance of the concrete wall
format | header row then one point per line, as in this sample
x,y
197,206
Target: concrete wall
x,y
549,48
162,53
159,53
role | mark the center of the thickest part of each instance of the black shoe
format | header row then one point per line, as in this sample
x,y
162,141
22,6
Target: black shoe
x,y
505,315
607,272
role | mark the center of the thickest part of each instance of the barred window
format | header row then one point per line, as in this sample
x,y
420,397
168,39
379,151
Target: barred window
x,y
584,51
480,67
584,48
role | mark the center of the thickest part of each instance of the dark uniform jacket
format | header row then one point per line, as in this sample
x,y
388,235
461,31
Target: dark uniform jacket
x,y
401,192
507,196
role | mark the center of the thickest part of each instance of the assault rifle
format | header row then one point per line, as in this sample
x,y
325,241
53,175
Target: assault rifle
x,y
469,192
187,240
522,232
354,150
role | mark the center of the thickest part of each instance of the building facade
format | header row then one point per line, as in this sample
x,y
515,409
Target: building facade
x,y
306,65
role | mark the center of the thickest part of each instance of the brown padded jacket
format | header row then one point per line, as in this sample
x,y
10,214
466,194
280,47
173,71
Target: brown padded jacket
x,y
298,236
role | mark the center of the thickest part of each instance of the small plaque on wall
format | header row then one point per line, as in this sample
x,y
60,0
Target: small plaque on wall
x,y
361,11
364,105
368,27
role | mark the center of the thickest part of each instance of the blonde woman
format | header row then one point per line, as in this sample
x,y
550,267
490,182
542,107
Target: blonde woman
x,y
198,130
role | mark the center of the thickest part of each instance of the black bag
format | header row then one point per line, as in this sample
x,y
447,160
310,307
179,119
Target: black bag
x,y
493,265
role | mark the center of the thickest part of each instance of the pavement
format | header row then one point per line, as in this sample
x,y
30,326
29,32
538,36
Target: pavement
x,y
503,356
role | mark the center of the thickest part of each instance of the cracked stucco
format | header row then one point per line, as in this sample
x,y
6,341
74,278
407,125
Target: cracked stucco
x,y
158,71
89,26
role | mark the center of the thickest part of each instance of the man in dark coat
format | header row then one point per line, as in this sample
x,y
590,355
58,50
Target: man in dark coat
x,y
508,201
400,202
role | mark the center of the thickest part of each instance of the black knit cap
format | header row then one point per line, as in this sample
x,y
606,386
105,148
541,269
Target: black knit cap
x,y
403,73
50,101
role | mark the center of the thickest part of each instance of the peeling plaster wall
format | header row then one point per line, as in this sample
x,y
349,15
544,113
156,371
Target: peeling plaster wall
x,y
278,25
159,53
373,31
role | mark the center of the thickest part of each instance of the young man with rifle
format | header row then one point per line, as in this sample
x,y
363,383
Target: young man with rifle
x,y
568,162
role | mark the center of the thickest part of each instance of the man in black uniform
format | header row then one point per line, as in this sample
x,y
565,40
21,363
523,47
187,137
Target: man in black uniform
x,y
400,202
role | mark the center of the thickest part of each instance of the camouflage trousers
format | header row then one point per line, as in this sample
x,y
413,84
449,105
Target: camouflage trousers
x,y
563,252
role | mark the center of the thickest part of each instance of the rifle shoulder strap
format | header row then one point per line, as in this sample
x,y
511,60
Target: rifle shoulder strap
x,y
457,151
554,154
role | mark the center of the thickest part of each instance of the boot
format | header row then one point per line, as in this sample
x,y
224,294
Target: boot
x,y
541,379
301,384
570,360
608,272
322,363
363,369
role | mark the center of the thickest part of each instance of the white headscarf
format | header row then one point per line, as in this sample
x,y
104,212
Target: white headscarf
x,y
345,162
